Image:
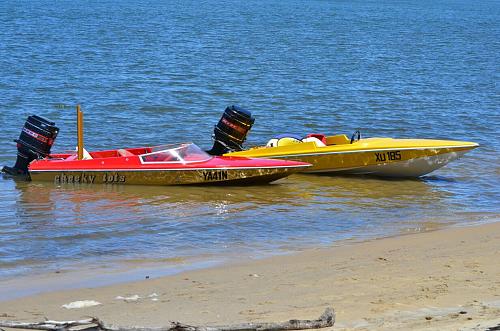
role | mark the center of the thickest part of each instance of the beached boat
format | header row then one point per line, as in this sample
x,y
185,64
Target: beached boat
x,y
161,165
338,154
183,164
370,156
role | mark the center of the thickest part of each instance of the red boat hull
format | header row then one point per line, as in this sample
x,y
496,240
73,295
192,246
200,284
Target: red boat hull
x,y
109,167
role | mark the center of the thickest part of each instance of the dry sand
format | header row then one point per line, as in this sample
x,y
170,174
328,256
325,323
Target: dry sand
x,y
442,280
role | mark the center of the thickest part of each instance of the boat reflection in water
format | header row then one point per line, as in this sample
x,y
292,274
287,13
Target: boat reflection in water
x,y
362,196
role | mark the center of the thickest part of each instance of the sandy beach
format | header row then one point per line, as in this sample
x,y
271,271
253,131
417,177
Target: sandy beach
x,y
441,280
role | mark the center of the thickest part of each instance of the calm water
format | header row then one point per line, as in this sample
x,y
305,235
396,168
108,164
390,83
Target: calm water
x,y
155,72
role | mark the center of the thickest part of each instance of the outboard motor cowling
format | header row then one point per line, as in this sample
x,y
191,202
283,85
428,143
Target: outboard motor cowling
x,y
35,141
231,131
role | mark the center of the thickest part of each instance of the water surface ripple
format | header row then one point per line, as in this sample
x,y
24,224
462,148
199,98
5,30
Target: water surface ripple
x,y
155,72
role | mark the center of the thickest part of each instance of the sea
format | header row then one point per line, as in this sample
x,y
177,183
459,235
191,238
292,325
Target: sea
x,y
157,72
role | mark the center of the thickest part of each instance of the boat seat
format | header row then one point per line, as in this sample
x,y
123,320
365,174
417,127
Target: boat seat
x,y
283,140
315,140
124,152
321,137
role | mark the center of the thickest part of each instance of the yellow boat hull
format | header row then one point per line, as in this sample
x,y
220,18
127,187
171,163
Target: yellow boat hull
x,y
374,156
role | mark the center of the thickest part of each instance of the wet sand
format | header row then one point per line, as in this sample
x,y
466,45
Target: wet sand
x,y
444,280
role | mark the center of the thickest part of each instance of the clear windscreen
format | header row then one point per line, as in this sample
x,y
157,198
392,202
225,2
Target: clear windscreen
x,y
183,153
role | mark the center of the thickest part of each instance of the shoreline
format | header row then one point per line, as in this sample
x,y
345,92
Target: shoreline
x,y
113,272
439,279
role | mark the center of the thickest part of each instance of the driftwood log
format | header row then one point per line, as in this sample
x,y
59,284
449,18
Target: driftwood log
x,y
95,324
47,325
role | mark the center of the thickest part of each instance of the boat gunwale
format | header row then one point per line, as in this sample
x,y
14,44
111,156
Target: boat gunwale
x,y
356,151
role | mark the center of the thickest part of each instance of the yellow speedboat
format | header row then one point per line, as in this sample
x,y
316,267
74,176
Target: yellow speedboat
x,y
374,156
339,154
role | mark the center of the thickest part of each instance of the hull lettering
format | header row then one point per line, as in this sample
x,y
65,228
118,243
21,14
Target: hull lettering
x,y
215,175
113,178
79,179
388,156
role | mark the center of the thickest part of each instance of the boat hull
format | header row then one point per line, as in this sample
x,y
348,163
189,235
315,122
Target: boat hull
x,y
372,156
219,176
181,164
414,167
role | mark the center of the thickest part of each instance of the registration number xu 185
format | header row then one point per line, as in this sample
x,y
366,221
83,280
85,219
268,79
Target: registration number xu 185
x,y
388,156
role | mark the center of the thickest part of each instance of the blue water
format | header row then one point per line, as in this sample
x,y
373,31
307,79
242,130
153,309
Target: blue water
x,y
155,72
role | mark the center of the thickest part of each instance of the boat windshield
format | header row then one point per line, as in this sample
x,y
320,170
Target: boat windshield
x,y
184,153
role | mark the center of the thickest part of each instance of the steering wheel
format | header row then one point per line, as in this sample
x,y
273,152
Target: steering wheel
x,y
355,136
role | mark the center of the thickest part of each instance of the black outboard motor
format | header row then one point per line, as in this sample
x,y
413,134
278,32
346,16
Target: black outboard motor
x,y
35,141
231,131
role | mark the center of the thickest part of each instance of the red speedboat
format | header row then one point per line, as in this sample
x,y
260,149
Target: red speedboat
x,y
160,165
